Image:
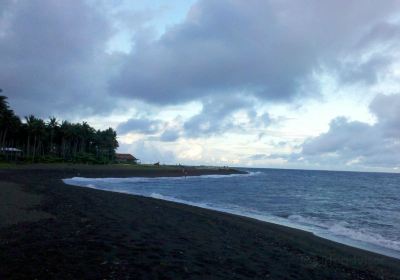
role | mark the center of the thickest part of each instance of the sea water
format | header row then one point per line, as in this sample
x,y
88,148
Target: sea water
x,y
354,208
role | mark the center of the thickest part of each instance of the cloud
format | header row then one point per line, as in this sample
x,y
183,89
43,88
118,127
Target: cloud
x,y
215,116
219,115
52,57
140,125
387,110
356,143
269,48
149,152
55,55
265,119
235,58
343,135
273,156
368,72
170,135
259,157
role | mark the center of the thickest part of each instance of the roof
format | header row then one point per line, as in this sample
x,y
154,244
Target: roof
x,y
10,150
125,156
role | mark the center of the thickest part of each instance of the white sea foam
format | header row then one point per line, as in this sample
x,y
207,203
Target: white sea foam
x,y
340,231
216,176
168,198
343,229
231,209
311,221
177,200
80,180
336,232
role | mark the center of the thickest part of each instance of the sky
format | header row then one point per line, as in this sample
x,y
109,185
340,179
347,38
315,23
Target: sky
x,y
262,83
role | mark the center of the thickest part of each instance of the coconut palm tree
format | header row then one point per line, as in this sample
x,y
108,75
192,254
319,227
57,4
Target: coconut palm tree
x,y
70,141
9,122
52,125
37,130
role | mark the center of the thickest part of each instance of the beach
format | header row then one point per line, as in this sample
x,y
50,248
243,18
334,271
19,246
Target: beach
x,y
55,231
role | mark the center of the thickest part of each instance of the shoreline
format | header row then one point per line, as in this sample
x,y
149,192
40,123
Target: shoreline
x,y
344,240
123,170
127,235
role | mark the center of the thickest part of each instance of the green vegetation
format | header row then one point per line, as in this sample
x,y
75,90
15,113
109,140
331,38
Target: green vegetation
x,y
53,141
7,165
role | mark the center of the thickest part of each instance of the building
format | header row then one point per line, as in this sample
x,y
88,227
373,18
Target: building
x,y
126,158
11,153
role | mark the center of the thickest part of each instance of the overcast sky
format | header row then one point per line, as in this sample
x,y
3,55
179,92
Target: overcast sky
x,y
290,84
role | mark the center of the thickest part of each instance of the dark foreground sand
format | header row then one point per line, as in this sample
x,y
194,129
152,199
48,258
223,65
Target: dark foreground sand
x,y
64,232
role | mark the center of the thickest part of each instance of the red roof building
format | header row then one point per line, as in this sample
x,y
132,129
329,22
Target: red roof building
x,y
125,158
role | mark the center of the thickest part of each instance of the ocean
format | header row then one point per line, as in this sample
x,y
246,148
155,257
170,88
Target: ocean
x,y
355,208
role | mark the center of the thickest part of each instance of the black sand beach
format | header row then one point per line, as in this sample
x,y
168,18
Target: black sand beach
x,y
49,230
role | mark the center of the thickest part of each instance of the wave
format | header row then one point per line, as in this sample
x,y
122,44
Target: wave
x,y
342,229
78,180
173,199
339,231
306,221
335,232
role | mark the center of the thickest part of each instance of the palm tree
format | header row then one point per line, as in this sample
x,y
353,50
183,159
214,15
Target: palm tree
x,y
52,125
9,122
68,140
65,133
29,128
36,128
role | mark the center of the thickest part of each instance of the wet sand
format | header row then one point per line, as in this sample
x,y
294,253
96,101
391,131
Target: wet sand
x,y
65,232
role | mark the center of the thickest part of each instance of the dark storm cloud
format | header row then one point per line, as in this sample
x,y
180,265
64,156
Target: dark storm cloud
x,y
52,57
269,48
360,143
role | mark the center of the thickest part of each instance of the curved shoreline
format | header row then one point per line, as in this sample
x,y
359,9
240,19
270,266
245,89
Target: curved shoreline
x,y
345,240
94,233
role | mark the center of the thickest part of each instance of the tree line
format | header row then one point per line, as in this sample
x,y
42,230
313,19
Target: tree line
x,y
53,140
